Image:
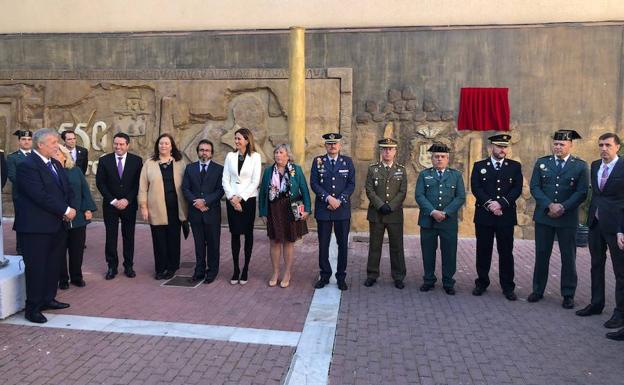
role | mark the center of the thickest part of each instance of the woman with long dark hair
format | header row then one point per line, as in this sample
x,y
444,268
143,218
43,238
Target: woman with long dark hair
x,y
241,177
162,203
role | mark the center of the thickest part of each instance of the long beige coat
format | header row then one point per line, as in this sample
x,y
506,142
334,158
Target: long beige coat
x,y
152,191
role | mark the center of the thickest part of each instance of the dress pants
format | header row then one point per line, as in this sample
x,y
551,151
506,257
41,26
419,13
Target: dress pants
x,y
504,245
598,243
75,250
544,240
397,256
42,253
112,216
207,239
324,229
166,242
448,248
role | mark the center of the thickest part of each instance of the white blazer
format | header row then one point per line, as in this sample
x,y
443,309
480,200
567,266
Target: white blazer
x,y
246,184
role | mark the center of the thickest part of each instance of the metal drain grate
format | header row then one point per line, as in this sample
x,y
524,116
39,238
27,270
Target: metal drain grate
x,y
181,281
187,265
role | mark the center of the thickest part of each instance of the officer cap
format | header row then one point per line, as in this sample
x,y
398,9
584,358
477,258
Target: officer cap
x,y
500,140
439,147
387,143
23,133
566,135
332,137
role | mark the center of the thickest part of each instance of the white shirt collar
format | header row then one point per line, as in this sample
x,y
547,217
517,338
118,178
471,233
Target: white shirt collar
x,y
26,152
43,158
564,159
201,164
501,161
612,163
387,165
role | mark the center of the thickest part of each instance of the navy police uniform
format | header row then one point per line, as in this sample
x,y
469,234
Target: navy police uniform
x,y
335,178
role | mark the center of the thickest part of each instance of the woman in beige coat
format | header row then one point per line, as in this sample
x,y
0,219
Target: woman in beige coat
x,y
162,203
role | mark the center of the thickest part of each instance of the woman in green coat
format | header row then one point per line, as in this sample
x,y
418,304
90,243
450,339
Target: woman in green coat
x,y
283,191
76,229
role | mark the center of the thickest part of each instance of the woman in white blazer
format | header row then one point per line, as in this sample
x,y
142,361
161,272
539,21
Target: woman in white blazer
x,y
241,177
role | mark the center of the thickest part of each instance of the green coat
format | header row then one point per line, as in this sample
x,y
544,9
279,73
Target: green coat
x,y
82,196
447,194
298,190
568,187
386,187
12,160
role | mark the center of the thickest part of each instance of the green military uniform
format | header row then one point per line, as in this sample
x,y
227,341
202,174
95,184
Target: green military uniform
x,y
444,193
567,185
386,185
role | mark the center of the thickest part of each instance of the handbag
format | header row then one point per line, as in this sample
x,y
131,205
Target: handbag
x,y
296,210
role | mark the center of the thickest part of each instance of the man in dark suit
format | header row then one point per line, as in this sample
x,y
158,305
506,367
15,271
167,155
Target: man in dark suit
x,y
80,155
44,194
203,190
559,185
3,168
118,181
496,183
607,203
332,179
24,138
619,335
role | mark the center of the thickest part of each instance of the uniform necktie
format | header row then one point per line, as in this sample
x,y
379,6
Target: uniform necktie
x,y
603,177
387,168
440,174
559,165
27,153
333,162
119,166
497,165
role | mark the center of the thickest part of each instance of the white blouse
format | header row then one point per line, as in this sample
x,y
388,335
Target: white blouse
x,y
246,184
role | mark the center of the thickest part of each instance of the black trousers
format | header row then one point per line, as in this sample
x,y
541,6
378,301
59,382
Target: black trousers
x,y
324,229
166,242
504,244
207,239
75,251
598,243
112,216
42,253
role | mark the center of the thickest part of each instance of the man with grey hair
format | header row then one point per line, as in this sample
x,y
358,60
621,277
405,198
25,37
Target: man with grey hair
x,y
45,194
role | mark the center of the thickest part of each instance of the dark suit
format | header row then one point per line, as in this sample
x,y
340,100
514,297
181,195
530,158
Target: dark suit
x,y
337,181
46,197
609,204
3,169
503,186
112,187
82,158
12,161
206,225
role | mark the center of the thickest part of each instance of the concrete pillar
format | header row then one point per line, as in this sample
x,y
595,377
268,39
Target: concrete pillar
x,y
296,94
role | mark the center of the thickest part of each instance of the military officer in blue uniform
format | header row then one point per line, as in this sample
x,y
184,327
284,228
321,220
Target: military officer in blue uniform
x,y
24,138
440,193
496,183
332,179
559,184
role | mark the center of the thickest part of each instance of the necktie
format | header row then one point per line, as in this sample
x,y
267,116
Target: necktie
x,y
559,165
53,171
28,153
333,162
202,173
440,174
603,177
119,166
497,165
387,168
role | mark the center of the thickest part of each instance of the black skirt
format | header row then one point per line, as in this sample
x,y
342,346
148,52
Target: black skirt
x,y
280,226
241,222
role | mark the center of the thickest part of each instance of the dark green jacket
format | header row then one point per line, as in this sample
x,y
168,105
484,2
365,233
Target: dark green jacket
x,y
12,160
386,187
298,190
568,187
447,194
82,196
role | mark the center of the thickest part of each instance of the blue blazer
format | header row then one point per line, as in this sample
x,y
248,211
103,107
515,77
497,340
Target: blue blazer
x,y
42,200
337,181
298,190
210,190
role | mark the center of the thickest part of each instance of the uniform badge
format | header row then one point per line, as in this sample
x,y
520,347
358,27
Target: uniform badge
x,y
483,171
376,182
542,166
376,169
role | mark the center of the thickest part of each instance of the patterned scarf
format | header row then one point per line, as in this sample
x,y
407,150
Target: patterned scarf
x,y
280,184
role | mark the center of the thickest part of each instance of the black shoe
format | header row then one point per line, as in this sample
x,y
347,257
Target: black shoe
x,y
426,286
511,296
196,278
534,297
168,274
159,276
79,283
129,272
588,310
449,290
209,280
399,284
616,321
235,277
617,336
568,302
342,285
35,317
478,290
64,285
243,277
111,273
55,305
321,283
369,282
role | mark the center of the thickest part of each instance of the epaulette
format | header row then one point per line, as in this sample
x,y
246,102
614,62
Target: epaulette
x,y
374,164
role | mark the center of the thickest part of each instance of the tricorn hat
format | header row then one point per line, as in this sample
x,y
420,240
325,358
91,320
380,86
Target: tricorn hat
x,y
566,135
439,147
23,133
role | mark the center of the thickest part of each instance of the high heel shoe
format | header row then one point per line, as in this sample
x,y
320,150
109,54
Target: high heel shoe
x,y
234,279
272,283
243,277
285,282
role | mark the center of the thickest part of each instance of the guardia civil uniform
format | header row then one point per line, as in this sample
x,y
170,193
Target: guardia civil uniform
x,y
386,188
12,161
557,181
446,193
